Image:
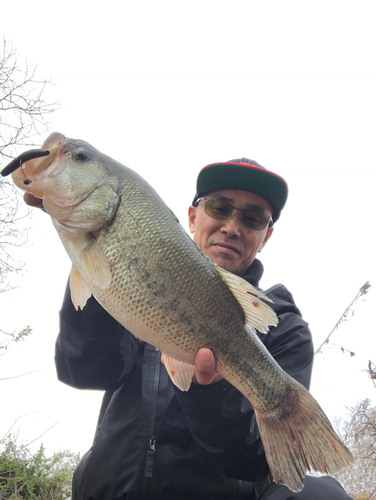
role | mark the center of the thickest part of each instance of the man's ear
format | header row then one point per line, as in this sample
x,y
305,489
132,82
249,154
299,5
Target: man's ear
x,y
268,234
192,218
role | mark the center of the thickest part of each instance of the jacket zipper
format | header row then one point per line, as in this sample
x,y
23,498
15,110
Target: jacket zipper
x,y
152,441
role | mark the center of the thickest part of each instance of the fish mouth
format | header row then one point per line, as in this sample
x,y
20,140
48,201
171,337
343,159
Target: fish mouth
x,y
54,144
34,171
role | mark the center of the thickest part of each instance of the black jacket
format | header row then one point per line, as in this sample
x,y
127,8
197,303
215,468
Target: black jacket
x,y
153,440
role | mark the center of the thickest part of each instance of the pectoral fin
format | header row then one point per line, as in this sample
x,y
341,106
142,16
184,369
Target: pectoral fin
x,y
180,373
80,292
258,315
95,264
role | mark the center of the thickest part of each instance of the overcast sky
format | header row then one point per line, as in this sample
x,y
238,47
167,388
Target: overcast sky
x,y
167,87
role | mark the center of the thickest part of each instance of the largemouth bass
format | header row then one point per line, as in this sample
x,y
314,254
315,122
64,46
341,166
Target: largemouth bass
x,y
129,251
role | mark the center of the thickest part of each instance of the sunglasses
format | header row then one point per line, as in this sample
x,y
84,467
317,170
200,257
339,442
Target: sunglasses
x,y
252,218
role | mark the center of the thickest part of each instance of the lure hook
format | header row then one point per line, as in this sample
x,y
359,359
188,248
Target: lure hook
x,y
21,159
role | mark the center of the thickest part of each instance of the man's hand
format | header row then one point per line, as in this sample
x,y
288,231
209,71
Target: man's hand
x,y
205,373
32,201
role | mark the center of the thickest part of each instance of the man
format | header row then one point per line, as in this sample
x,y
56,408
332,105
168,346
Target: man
x,y
153,440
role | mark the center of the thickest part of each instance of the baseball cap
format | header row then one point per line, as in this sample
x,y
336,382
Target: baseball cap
x,y
245,174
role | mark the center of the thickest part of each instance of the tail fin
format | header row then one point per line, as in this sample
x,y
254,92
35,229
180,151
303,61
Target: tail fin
x,y
298,438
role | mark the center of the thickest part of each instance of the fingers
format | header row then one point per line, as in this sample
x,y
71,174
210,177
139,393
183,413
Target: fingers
x,y
205,373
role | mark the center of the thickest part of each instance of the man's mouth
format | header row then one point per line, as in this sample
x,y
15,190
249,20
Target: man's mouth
x,y
225,247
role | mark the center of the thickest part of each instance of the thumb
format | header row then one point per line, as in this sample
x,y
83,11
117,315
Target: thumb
x,y
205,367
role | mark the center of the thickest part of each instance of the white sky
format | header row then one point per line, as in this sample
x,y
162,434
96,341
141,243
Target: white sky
x,y
167,87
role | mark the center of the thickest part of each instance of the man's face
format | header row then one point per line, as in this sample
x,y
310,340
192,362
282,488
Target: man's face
x,y
229,243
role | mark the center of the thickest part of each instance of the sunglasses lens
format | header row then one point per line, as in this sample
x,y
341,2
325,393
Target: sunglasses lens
x,y
219,209
222,210
254,219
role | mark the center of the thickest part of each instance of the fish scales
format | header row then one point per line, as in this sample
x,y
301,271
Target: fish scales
x,y
196,317
128,250
147,280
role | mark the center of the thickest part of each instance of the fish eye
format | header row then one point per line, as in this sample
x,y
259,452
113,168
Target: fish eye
x,y
81,155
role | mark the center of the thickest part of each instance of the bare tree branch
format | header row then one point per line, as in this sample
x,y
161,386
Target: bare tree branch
x,y
372,372
21,375
14,338
11,427
359,434
23,107
362,291
23,116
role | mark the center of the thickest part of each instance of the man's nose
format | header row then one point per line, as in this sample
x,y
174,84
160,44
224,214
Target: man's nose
x,y
232,226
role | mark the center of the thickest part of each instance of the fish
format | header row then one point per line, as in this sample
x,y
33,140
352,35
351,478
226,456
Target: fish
x,y
128,250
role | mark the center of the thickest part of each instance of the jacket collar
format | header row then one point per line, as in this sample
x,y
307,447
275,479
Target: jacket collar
x,y
254,273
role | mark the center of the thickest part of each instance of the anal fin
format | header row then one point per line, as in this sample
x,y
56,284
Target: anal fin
x,y
180,373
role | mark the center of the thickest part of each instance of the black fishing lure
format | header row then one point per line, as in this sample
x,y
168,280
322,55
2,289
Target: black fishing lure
x,y
23,158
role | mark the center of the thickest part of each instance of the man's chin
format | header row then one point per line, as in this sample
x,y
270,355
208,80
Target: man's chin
x,y
225,262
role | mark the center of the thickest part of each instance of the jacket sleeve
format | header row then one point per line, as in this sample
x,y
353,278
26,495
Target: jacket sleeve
x,y
290,343
93,351
222,421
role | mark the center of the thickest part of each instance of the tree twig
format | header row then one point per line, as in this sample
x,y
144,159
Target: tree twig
x,y
362,291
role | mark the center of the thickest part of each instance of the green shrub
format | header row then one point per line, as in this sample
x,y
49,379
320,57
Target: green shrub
x,y
34,476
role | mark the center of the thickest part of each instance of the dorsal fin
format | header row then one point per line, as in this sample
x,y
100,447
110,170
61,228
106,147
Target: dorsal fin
x,y
258,315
